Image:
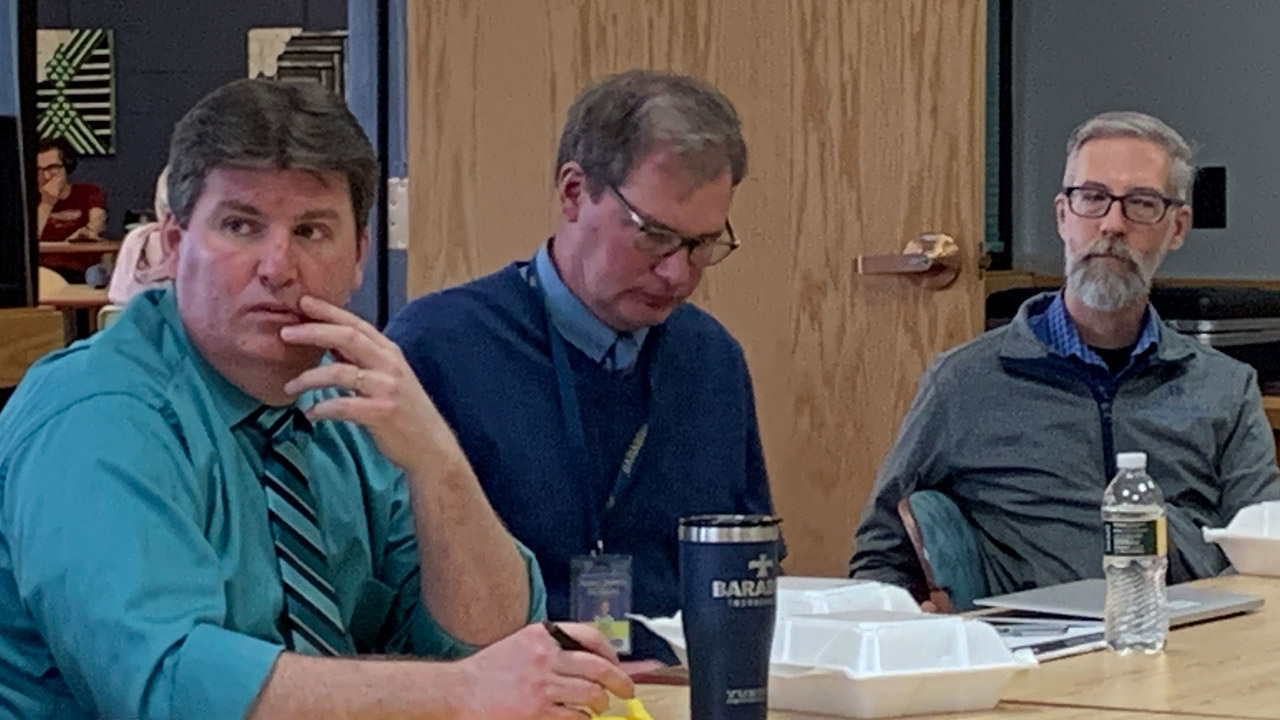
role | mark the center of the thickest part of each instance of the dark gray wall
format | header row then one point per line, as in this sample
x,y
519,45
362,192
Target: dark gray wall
x,y
1208,68
169,53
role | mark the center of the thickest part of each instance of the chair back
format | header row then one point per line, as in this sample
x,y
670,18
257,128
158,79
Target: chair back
x,y
49,281
26,335
108,314
947,547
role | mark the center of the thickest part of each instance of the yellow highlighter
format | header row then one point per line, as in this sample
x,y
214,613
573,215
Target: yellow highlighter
x,y
635,709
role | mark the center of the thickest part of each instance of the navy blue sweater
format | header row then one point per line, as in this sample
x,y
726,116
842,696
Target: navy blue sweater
x,y
482,352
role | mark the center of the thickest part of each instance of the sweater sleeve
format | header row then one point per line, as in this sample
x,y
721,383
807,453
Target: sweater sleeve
x,y
882,548
757,498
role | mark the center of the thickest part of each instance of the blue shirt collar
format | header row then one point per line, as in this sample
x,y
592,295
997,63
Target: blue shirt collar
x,y
576,323
1058,331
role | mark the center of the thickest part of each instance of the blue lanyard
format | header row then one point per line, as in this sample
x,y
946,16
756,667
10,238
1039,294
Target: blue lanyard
x,y
572,418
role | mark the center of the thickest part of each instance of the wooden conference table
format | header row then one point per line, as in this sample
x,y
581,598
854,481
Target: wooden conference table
x,y
73,297
77,256
1227,668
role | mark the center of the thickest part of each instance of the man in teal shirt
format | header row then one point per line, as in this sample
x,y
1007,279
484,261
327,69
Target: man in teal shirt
x,y
239,476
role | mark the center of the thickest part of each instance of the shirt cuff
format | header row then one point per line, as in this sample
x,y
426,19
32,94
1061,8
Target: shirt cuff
x,y
220,672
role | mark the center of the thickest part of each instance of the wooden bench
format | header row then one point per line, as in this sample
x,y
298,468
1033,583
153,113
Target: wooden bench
x,y
26,335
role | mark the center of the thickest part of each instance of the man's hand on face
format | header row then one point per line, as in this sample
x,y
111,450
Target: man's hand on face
x,y
527,675
386,398
51,192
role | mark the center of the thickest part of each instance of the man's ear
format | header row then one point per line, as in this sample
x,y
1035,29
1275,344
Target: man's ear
x,y
571,184
1060,211
1181,225
170,242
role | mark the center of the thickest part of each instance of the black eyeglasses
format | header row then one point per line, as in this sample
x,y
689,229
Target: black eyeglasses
x,y
1140,206
660,241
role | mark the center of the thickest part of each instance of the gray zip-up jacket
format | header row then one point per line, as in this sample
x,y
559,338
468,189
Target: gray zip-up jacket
x,y
1024,441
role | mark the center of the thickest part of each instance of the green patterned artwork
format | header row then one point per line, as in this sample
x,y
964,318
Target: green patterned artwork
x,y
75,88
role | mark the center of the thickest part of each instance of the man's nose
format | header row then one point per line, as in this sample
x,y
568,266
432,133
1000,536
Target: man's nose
x,y
277,264
675,268
1114,222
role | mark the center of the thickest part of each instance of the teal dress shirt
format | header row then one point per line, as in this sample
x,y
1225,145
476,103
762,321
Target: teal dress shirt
x,y
137,572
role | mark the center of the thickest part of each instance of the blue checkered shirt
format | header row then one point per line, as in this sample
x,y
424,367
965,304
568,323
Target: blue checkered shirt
x,y
1056,328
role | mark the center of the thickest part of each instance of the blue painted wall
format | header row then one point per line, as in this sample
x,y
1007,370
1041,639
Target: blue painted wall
x,y
8,57
362,96
169,53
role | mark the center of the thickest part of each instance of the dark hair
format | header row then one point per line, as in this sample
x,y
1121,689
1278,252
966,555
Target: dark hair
x,y
65,150
268,125
616,123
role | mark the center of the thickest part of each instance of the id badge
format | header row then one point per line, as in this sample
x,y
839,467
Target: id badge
x,y
601,587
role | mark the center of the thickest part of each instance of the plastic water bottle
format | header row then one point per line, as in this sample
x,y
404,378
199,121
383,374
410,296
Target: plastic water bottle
x,y
1134,558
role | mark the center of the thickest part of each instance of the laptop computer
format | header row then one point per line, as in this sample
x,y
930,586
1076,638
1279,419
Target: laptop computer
x,y
1087,599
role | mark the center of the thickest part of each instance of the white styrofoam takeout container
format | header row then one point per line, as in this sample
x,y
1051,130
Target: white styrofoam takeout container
x,y
1252,539
823,596
883,659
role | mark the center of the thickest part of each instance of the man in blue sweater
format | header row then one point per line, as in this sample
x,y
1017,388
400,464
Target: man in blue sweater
x,y
596,406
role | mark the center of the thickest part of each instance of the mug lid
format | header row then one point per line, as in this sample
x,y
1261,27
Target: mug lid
x,y
730,521
730,528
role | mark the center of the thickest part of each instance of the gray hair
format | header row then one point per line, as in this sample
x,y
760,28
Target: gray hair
x,y
616,123
1144,127
267,125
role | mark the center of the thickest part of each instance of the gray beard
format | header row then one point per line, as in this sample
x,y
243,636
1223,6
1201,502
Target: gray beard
x,y
1106,290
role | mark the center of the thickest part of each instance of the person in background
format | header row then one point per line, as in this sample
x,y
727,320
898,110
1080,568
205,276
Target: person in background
x,y
66,211
140,263
596,404
237,501
1020,427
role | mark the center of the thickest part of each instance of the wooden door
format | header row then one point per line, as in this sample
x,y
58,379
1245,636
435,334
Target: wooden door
x,y
864,121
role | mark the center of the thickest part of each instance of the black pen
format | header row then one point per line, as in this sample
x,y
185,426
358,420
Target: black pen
x,y
564,639
635,708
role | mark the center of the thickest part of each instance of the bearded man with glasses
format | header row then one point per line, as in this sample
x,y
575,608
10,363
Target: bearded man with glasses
x,y
1020,427
596,405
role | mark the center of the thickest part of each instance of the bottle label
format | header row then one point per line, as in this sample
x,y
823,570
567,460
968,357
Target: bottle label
x,y
1132,538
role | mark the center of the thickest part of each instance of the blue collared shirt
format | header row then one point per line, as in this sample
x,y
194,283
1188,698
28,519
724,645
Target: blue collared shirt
x,y
1056,328
579,326
138,577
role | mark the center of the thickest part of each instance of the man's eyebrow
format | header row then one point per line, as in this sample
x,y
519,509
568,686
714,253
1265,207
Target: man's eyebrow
x,y
247,209
324,214
659,225
237,206
1139,189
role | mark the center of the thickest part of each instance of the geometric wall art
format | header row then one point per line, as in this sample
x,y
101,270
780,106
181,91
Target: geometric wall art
x,y
76,89
292,54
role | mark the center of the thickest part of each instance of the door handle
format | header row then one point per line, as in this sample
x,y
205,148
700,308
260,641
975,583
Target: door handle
x,y
932,259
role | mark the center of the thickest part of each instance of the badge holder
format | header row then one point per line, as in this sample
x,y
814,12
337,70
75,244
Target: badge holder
x,y
602,596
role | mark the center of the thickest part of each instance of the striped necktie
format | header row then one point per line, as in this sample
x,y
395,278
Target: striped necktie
x,y
310,622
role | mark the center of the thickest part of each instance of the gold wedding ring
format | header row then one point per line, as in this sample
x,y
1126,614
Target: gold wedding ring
x,y
359,382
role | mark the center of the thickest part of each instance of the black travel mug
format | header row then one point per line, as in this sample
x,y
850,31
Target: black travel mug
x,y
728,578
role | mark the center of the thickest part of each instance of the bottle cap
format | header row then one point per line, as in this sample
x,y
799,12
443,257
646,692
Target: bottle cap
x,y
1131,461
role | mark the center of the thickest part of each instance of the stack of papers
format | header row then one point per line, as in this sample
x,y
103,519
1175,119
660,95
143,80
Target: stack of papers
x,y
1047,637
